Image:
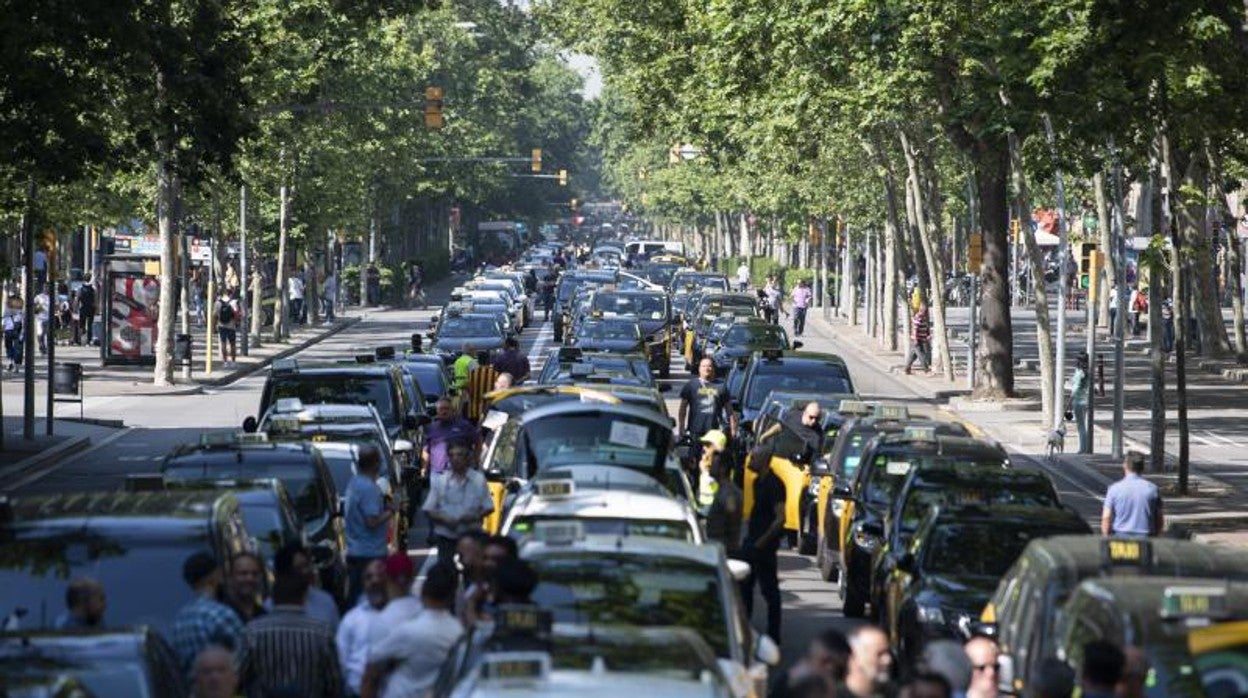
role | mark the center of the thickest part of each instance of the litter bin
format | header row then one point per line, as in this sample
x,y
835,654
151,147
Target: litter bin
x,y
182,348
66,377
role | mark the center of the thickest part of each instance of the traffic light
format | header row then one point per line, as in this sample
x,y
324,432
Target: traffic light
x,y
1085,257
975,256
535,162
563,178
433,108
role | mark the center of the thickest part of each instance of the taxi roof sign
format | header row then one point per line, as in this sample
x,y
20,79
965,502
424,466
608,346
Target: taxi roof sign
x,y
853,407
514,667
892,412
1194,603
252,438
288,404
558,532
556,489
1126,552
522,619
920,433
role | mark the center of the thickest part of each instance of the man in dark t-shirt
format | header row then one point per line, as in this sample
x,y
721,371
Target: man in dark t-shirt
x,y
703,407
762,540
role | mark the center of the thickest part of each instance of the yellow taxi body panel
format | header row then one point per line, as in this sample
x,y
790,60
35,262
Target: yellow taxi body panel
x,y
821,502
689,346
494,519
1217,637
795,479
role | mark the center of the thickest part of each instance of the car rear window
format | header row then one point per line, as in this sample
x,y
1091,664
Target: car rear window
x,y
373,389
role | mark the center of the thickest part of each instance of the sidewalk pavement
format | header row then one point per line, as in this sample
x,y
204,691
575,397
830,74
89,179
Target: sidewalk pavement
x,y
20,457
1214,508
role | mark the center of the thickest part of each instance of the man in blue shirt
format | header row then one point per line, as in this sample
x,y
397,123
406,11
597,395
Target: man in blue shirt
x,y
1133,504
367,518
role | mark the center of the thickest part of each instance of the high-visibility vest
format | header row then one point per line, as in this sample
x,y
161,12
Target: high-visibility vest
x,y
462,366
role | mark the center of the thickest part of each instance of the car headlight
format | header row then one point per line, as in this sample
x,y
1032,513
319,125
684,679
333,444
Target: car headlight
x,y
931,614
865,540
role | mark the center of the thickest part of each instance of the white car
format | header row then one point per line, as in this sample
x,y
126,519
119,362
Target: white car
x,y
641,509
642,581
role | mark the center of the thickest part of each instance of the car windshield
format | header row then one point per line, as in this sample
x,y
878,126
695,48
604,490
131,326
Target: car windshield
x,y
647,306
752,336
469,327
430,378
675,530
40,674
996,547
822,378
636,590
265,522
36,569
343,388
607,330
298,478
597,438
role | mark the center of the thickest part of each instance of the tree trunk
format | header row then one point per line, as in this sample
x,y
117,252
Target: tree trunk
x,y
1035,264
1171,215
1202,284
892,234
935,272
746,249
995,377
1104,242
279,301
166,223
1234,252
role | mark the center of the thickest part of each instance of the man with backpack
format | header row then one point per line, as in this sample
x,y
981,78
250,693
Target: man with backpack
x,y
228,314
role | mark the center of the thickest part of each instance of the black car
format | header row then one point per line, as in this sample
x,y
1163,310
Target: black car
x,y
300,468
114,662
653,313
885,464
378,384
618,335
965,474
936,587
132,543
744,337
842,464
770,371
571,365
482,331
429,372
569,282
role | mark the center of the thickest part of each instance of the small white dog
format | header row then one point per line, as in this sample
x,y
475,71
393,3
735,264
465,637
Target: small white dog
x,y
1056,442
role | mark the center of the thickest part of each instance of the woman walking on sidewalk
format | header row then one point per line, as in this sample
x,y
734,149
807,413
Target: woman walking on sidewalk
x,y
920,339
1079,386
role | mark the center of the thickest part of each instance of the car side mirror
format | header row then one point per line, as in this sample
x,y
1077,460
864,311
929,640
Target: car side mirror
x,y
797,345
513,487
739,569
250,425
842,492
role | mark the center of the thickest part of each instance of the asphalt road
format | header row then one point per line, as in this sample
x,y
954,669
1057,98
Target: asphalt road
x,y
159,423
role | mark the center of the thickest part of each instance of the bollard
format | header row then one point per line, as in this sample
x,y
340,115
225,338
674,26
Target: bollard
x,y
1100,374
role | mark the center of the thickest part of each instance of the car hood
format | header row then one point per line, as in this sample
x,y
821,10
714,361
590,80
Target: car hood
x,y
452,345
627,345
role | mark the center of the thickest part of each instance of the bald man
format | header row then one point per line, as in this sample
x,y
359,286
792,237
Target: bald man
x,y
983,653
870,662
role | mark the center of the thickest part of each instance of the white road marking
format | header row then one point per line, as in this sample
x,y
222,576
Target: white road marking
x,y
45,471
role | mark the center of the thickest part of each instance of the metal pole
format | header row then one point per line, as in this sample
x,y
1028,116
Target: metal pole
x,y
1063,253
972,330
28,314
1120,280
244,284
1091,351
50,336
210,305
185,294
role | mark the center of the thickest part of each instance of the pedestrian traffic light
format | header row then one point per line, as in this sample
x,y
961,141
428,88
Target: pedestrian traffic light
x,y
563,178
1085,257
535,162
433,108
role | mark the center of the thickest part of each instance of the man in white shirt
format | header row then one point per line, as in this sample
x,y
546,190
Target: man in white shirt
x,y
42,306
743,277
294,286
458,500
354,637
413,653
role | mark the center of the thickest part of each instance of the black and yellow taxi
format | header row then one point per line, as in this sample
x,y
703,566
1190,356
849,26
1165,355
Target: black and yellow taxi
x,y
607,334
653,313
1023,610
937,585
864,423
565,293
709,308
803,480
1220,653
770,371
1151,615
885,465
573,365
744,336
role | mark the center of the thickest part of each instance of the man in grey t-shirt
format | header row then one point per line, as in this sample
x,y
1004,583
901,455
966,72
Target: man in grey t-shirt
x,y
1133,504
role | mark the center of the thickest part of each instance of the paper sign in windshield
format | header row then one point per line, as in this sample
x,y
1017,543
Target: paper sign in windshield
x,y
897,467
625,434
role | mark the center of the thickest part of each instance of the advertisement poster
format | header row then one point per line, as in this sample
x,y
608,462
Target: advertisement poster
x,y
132,317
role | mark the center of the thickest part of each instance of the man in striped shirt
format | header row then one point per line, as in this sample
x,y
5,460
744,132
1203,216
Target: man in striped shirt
x,y
288,651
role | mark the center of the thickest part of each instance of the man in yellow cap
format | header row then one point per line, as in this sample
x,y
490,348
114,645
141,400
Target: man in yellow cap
x,y
719,498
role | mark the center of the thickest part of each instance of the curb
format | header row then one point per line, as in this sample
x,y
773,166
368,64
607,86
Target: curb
x,y
57,453
239,374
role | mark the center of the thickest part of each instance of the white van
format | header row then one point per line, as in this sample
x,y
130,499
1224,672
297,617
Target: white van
x,y
649,248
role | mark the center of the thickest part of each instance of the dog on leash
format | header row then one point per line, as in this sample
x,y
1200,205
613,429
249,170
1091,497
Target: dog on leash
x,y
1056,441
